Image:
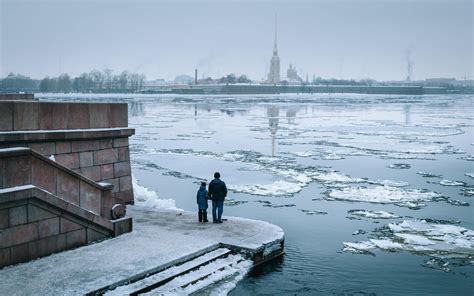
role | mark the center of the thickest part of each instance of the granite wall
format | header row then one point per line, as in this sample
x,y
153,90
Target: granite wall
x,y
90,139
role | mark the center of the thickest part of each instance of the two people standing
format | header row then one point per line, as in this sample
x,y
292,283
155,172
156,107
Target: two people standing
x,y
217,193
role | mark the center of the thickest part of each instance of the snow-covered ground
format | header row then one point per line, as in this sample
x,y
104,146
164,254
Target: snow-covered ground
x,y
160,236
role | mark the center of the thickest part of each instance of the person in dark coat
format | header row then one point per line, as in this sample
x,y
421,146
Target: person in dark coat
x,y
217,193
201,199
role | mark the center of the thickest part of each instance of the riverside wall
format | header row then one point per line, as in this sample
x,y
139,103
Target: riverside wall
x,y
88,138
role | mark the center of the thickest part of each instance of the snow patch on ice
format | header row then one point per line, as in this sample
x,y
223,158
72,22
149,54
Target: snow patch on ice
x,y
149,198
468,158
446,182
373,214
411,198
277,188
428,175
444,241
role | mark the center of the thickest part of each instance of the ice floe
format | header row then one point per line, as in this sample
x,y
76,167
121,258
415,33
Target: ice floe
x,y
313,212
372,214
470,175
446,182
469,191
332,157
428,175
277,188
442,242
468,158
359,231
400,166
411,198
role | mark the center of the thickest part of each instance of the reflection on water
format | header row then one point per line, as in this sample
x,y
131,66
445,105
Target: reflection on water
x,y
135,108
407,110
273,113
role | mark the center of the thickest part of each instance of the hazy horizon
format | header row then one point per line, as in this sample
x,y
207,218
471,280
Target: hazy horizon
x,y
163,39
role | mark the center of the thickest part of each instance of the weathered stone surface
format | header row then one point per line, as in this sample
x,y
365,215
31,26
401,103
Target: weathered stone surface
x,y
123,226
93,235
105,156
36,214
68,187
18,235
90,198
4,218
84,145
115,182
99,115
80,212
78,115
67,225
107,171
70,160
2,162
125,196
53,115
17,97
86,159
16,171
123,154
19,253
76,238
18,215
122,169
63,147
120,142
48,227
4,257
6,116
46,149
118,115
92,173
25,116
43,175
126,183
47,246
106,143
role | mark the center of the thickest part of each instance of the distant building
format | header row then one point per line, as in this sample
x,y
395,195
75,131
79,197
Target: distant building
x,y
183,79
292,75
274,74
156,82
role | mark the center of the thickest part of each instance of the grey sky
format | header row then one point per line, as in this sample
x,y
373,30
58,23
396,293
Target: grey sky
x,y
341,39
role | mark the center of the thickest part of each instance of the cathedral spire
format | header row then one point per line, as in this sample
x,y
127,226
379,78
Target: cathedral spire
x,y
275,50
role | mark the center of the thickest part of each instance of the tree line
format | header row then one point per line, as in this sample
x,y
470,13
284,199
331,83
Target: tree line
x,y
95,81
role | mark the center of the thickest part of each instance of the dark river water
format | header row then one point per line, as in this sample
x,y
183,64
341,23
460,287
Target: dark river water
x,y
374,193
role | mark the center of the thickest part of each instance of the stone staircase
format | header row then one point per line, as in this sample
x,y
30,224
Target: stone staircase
x,y
46,208
193,275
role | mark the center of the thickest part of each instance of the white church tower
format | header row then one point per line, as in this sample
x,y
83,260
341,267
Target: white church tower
x,y
274,74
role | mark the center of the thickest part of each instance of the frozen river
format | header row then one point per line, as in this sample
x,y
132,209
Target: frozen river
x,y
375,193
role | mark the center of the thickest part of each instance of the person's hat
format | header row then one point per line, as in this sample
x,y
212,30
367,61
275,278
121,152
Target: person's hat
x,y
203,183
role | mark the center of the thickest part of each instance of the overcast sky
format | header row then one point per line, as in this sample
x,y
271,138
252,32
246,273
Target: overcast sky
x,y
340,39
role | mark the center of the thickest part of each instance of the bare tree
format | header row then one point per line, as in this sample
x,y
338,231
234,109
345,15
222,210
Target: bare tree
x,y
108,78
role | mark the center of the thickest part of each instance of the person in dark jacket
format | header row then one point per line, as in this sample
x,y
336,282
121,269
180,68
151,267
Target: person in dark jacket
x,y
201,199
217,193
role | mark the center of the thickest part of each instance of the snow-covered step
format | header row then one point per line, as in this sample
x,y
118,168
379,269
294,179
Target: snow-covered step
x,y
228,271
167,275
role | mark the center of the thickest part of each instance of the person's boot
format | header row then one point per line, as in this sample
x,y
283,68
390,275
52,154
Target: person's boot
x,y
204,216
